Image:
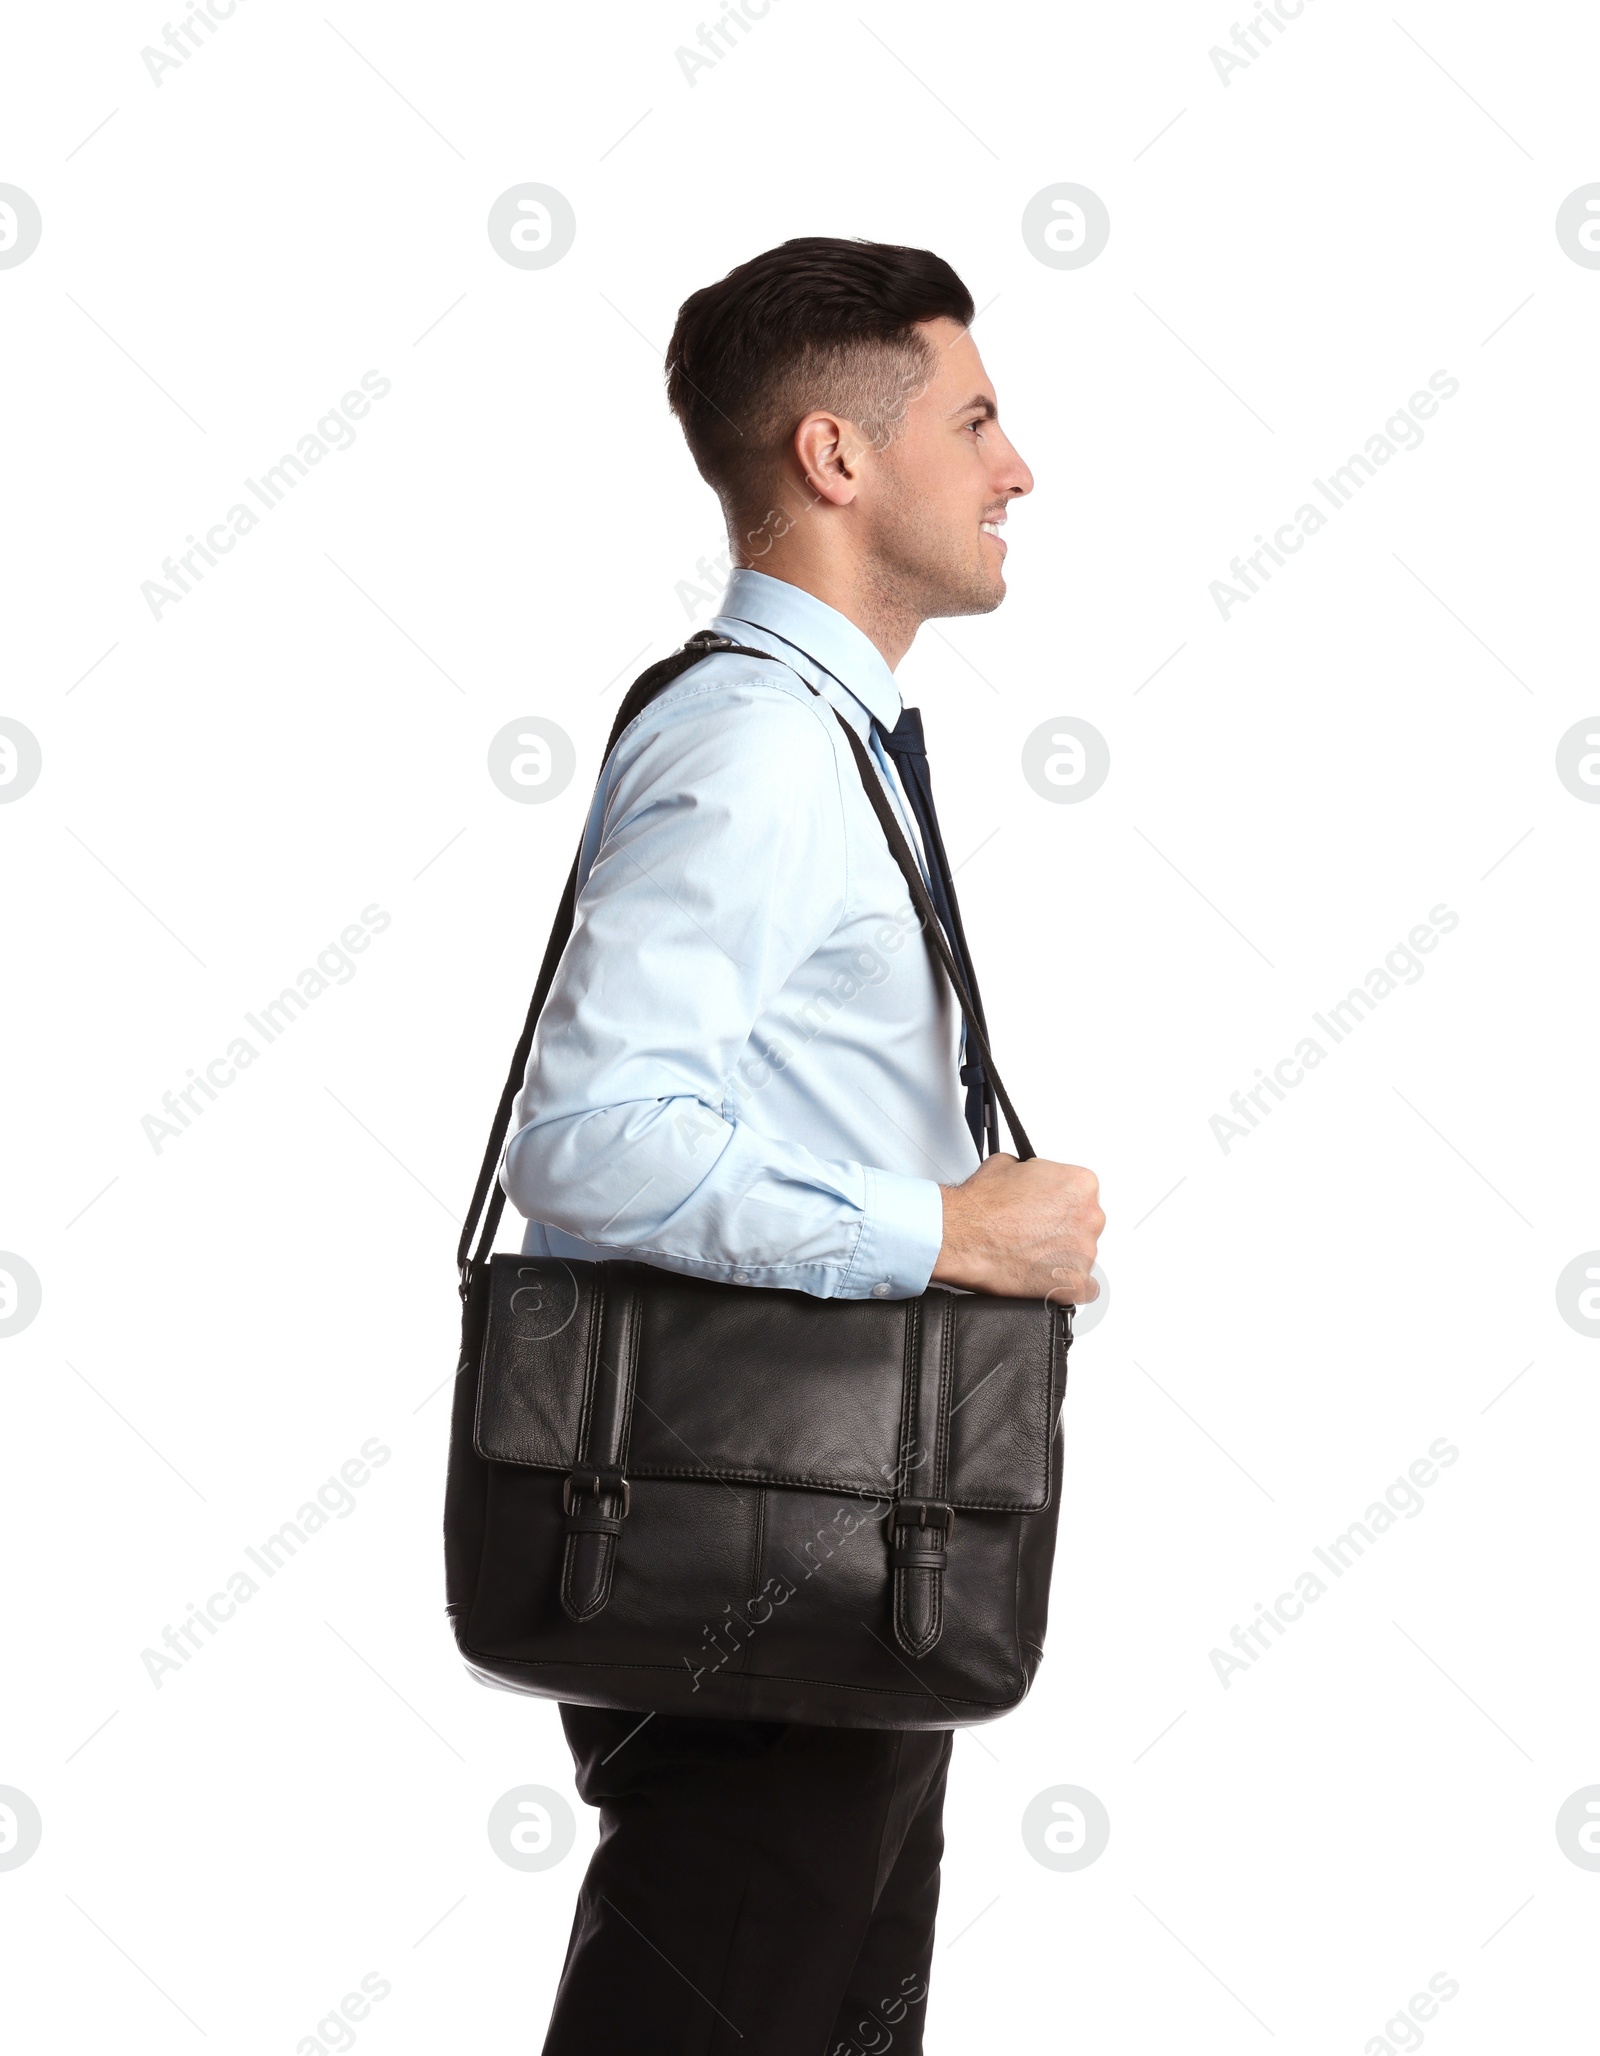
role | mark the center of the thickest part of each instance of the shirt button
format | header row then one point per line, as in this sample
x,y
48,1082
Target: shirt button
x,y
741,1277
882,1289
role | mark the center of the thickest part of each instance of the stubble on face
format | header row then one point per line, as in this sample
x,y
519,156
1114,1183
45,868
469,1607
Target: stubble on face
x,y
924,562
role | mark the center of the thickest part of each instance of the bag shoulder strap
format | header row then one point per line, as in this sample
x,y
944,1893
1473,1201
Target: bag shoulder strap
x,y
639,695
933,927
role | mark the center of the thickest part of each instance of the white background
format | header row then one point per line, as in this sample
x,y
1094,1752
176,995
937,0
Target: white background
x,y
1291,1323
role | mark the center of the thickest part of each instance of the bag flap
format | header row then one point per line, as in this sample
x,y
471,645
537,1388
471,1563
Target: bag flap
x,y
745,1383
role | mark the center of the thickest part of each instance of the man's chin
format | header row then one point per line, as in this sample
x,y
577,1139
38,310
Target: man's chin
x,y
977,596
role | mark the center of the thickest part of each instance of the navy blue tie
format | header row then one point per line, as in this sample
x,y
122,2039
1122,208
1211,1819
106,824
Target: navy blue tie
x,y
909,754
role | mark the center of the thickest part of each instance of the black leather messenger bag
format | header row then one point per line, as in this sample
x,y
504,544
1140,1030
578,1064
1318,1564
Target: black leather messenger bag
x,y
672,1495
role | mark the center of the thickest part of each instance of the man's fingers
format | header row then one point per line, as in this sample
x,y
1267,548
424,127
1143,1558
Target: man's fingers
x,y
1076,1288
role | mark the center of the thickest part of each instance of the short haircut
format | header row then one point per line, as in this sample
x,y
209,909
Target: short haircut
x,y
817,322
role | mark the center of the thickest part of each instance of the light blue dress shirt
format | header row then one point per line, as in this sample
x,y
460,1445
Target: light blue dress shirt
x,y
747,1067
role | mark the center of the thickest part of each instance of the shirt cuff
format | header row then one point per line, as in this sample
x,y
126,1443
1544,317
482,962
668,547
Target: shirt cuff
x,y
900,1237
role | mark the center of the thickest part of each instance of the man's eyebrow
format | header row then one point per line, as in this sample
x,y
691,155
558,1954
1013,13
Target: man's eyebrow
x,y
983,403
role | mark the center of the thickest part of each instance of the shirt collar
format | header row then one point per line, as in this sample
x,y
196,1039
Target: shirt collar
x,y
819,632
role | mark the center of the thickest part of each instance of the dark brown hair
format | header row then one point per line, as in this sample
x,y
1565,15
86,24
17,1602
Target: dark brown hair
x,y
817,322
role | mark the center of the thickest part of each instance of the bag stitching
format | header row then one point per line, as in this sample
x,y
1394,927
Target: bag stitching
x,y
748,1678
823,1488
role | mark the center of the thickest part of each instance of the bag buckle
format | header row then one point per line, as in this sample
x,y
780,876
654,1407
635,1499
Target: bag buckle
x,y
929,1513
595,1482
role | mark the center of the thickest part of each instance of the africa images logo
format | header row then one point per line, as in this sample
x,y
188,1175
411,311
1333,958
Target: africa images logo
x,y
1402,431
335,431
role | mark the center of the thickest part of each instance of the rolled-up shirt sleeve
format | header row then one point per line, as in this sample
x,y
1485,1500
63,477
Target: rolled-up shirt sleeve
x,y
721,866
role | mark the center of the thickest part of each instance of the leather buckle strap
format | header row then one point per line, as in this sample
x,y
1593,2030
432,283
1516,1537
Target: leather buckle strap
x,y
598,1479
594,1524
929,1513
918,1544
593,1483
603,1487
920,1527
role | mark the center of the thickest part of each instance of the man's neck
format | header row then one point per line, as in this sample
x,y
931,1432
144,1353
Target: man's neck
x,y
860,593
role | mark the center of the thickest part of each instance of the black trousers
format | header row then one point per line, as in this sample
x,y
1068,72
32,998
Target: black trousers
x,y
759,1887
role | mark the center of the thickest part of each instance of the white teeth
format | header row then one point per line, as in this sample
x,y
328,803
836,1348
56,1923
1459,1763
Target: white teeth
x,y
990,527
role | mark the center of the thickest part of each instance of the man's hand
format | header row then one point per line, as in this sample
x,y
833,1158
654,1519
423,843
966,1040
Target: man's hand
x,y
1024,1230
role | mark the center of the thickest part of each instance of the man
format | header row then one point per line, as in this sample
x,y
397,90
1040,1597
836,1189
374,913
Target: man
x,y
749,1068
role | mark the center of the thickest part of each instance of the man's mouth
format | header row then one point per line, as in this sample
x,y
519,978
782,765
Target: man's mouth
x,y
992,528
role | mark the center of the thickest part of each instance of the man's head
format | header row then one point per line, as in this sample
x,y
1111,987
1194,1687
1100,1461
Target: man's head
x,y
833,399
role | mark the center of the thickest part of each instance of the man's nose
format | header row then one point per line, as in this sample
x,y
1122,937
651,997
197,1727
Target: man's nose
x,y
1015,478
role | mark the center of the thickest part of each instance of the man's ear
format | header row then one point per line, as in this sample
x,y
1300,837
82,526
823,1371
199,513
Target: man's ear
x,y
830,452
